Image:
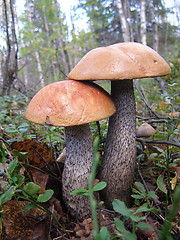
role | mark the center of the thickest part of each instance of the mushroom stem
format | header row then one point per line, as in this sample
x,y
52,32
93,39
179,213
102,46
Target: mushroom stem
x,y
77,168
120,150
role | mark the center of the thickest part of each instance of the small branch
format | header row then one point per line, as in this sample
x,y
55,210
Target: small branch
x,y
158,142
155,120
144,99
3,140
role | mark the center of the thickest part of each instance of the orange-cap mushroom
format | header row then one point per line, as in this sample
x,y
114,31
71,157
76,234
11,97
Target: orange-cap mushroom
x,y
73,104
121,63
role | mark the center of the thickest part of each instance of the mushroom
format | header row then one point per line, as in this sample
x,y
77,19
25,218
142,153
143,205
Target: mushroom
x,y
121,63
73,104
145,130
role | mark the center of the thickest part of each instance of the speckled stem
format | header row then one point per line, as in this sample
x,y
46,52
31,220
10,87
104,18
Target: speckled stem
x,y
77,168
120,150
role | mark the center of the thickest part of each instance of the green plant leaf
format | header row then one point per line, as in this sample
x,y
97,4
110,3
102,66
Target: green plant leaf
x,y
18,180
137,196
99,186
159,149
80,191
143,209
23,125
137,218
121,228
140,186
161,185
31,189
44,197
120,207
7,196
143,226
136,191
160,165
130,236
120,225
23,155
12,166
104,234
152,194
29,206
2,155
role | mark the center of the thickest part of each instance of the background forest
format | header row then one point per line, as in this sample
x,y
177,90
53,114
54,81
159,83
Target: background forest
x,y
41,45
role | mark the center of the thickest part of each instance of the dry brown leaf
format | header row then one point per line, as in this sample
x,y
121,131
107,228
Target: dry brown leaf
x,y
39,154
24,225
40,179
84,229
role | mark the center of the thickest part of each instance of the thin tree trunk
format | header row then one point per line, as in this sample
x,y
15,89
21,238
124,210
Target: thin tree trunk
x,y
11,65
155,27
48,37
163,89
137,25
41,78
124,23
62,56
143,22
37,57
130,20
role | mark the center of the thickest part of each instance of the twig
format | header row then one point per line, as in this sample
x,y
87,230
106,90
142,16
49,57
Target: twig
x,y
99,129
154,119
3,140
158,142
143,98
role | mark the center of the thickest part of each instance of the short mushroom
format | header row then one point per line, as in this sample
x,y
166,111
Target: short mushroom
x,y
121,63
145,130
73,104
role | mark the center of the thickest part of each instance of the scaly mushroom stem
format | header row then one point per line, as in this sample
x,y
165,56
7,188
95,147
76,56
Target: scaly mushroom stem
x,y
77,168
120,150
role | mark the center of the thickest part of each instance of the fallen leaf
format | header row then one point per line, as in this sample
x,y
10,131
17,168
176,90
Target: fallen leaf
x,y
21,225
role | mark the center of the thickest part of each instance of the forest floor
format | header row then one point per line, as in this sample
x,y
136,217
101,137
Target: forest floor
x,y
51,220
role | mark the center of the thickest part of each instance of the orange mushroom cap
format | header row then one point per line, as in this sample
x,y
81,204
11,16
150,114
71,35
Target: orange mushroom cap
x,y
120,61
69,103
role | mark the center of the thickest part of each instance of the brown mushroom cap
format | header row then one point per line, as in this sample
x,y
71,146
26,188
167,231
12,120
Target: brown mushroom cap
x,y
145,130
69,103
127,60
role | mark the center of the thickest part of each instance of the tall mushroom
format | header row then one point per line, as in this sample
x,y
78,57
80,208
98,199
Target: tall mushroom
x,y
73,104
120,63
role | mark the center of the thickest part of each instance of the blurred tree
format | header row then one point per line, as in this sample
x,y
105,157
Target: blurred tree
x,y
44,42
143,22
124,21
10,64
49,48
129,20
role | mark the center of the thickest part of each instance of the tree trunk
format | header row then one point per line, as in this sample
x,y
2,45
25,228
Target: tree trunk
x,y
48,38
143,22
137,38
41,78
123,20
37,57
62,56
155,27
130,20
11,65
